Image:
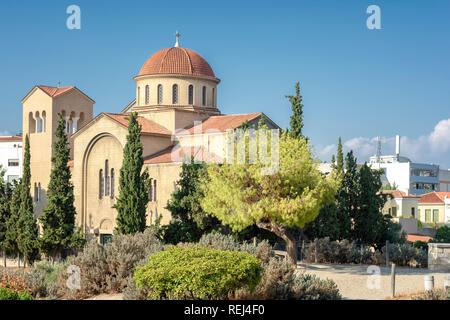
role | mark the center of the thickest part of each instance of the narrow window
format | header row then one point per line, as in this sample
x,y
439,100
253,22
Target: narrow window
x,y
427,215
213,103
39,192
100,184
107,183
160,94
35,193
413,213
191,94
112,183
435,215
147,94
154,190
204,96
150,193
175,94
139,96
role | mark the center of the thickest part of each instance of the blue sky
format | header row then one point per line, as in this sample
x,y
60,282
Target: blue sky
x,y
356,83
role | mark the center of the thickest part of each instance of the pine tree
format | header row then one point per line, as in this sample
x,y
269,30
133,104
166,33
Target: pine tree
x,y
28,233
5,213
333,162
297,116
134,186
58,219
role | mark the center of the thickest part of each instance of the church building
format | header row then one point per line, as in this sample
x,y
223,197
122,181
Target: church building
x,y
176,102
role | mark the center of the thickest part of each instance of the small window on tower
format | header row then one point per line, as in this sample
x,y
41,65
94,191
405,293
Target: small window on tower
x,y
191,94
147,94
160,94
204,96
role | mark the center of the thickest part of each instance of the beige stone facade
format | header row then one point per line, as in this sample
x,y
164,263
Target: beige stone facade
x,y
178,114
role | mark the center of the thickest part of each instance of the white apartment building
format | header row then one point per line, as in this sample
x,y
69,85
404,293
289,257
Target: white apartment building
x,y
444,180
410,177
11,157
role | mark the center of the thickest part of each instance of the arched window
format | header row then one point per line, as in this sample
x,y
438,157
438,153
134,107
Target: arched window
x,y
139,96
175,94
213,97
191,94
101,183
43,121
204,96
107,182
150,193
31,123
112,183
160,93
147,94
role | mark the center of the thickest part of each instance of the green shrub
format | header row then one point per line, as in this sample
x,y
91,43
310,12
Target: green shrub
x,y
434,294
8,294
197,273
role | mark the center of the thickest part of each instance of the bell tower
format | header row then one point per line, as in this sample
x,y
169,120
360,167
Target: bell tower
x,y
40,116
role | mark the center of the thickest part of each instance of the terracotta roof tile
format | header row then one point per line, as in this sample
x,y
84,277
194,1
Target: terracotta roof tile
x,y
434,197
54,91
148,126
10,138
177,154
399,194
177,60
220,123
417,237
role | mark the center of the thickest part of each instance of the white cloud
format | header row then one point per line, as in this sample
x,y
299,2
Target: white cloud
x,y
431,148
5,133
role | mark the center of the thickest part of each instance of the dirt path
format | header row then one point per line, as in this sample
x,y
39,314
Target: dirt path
x,y
353,280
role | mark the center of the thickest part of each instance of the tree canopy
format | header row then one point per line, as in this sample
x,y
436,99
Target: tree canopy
x,y
241,194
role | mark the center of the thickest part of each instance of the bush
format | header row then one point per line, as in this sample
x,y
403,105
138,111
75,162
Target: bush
x,y
281,282
434,294
106,268
197,273
263,250
16,280
345,251
8,294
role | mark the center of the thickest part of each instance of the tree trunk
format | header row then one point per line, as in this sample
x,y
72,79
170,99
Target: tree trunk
x,y
18,260
4,257
283,233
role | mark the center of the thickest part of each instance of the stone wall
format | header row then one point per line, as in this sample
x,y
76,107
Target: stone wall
x,y
439,256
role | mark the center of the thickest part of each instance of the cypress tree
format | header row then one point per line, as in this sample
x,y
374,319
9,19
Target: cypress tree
x,y
134,186
28,233
297,116
340,157
58,219
12,232
5,213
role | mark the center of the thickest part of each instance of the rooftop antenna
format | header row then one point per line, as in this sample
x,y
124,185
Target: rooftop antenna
x,y
59,84
378,149
177,36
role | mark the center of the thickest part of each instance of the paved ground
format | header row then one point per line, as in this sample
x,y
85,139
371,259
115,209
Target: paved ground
x,y
353,280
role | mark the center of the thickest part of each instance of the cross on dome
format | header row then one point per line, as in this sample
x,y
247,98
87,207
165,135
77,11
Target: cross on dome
x,y
177,35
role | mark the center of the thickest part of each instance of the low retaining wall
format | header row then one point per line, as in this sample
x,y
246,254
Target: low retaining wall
x,y
439,256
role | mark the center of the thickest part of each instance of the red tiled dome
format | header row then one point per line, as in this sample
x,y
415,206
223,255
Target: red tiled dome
x,y
177,60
